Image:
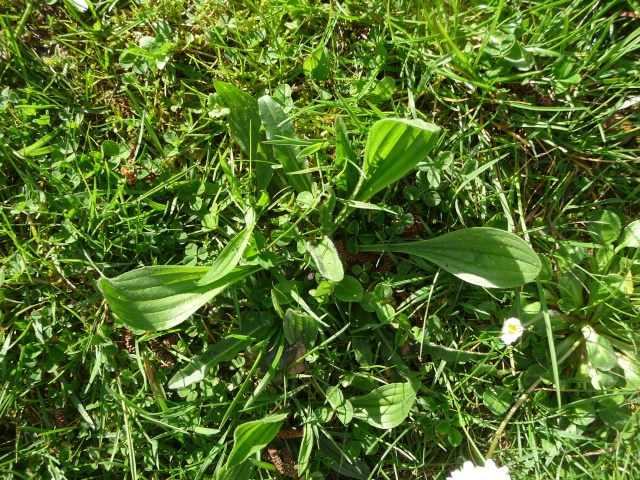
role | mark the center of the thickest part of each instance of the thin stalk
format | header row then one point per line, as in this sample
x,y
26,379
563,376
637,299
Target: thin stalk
x,y
523,397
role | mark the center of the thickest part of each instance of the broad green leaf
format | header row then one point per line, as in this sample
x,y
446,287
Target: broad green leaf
x,y
342,406
244,471
244,122
599,350
345,160
230,255
384,90
244,118
317,64
604,225
300,327
387,406
161,297
630,236
252,329
325,256
250,437
278,126
349,290
482,256
497,399
394,147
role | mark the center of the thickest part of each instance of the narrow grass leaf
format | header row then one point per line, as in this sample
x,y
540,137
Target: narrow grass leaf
x,y
326,258
161,297
394,147
482,256
452,355
230,255
223,351
306,447
253,436
278,126
342,462
40,146
387,406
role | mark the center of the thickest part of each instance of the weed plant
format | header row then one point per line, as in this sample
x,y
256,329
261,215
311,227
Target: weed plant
x,y
330,340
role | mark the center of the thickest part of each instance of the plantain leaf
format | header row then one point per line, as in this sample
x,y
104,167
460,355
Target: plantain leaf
x,y
325,256
244,117
244,123
345,160
278,126
300,327
244,471
482,256
250,437
226,349
231,254
387,406
161,297
630,236
599,350
394,147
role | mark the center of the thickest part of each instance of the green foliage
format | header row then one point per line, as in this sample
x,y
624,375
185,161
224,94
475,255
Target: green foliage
x,y
387,406
137,140
250,437
394,147
487,257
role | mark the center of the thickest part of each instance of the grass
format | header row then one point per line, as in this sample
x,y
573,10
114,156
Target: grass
x,y
116,153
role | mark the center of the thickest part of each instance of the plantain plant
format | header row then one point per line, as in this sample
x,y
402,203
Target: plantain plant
x,y
156,298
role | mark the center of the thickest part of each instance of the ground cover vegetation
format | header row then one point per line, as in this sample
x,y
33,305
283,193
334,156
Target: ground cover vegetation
x,y
280,239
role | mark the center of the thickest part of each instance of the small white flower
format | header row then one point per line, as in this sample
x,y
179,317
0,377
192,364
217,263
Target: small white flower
x,y
511,330
489,472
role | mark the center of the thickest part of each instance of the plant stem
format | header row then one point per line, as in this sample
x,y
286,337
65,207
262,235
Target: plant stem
x,y
523,397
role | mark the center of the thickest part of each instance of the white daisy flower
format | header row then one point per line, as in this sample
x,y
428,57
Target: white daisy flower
x,y
489,472
511,330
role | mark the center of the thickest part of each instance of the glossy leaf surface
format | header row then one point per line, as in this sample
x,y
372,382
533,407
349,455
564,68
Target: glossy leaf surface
x,y
387,406
250,437
394,147
230,255
277,127
252,329
161,297
482,256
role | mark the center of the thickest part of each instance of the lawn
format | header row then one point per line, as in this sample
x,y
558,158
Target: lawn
x,y
297,239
